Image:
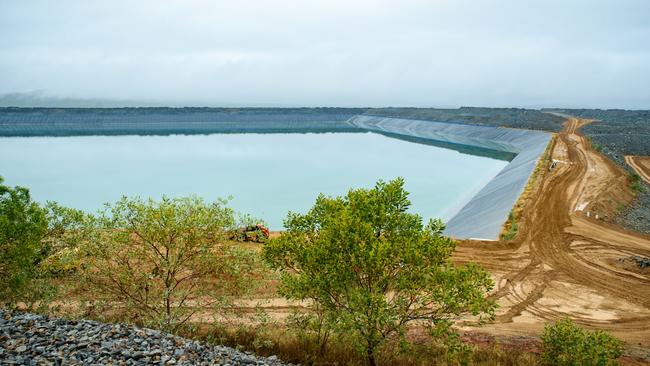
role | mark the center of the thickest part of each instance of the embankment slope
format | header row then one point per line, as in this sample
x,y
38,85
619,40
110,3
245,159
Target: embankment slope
x,y
483,216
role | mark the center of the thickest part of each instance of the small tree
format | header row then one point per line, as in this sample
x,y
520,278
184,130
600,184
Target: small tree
x,y
22,227
566,344
375,268
164,261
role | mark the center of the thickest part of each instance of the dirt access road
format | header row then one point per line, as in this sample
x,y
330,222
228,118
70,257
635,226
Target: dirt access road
x,y
641,165
566,261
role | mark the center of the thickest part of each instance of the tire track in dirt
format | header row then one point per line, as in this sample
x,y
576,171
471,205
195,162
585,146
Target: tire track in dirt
x,y
564,262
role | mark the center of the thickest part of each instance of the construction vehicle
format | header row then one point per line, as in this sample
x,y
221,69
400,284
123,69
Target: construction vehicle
x,y
255,233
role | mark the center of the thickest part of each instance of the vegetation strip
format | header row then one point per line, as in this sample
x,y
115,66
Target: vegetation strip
x,y
511,227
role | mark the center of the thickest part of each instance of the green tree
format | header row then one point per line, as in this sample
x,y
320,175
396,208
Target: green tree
x,y
566,344
164,261
375,268
22,227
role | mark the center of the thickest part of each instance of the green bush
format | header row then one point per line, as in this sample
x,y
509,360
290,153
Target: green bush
x,y
566,344
161,262
373,268
22,227
635,183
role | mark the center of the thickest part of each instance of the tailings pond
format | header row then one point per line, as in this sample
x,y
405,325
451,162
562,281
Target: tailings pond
x,y
266,175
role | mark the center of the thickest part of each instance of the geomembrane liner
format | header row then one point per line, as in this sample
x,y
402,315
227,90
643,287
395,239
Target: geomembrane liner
x,y
483,216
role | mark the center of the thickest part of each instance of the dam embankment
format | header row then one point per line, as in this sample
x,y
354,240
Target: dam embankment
x,y
483,216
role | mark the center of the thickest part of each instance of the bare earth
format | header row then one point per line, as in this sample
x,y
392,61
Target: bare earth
x,y
641,165
566,261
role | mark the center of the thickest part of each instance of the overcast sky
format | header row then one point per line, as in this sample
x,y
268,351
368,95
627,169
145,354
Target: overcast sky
x,y
331,53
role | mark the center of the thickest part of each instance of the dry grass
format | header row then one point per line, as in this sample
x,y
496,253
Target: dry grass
x,y
297,348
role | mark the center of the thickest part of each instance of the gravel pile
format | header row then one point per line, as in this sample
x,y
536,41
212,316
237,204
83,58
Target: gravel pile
x,y
29,339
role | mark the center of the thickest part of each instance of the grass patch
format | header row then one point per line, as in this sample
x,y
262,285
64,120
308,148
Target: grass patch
x,y
511,227
594,145
635,183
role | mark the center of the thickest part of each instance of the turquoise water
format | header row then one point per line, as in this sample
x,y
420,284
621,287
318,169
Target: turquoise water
x,y
267,175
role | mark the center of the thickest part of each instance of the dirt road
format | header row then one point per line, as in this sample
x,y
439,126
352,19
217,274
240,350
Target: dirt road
x,y
641,165
566,261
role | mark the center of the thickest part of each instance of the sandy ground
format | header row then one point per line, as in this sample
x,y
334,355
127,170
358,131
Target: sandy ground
x,y
641,165
566,260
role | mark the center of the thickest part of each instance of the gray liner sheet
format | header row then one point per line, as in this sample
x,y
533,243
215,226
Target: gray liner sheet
x,y
484,215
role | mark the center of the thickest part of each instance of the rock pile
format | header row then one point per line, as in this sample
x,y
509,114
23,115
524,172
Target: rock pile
x,y
635,260
29,339
641,262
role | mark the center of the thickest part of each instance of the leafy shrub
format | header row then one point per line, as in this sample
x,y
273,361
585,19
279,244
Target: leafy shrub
x,y
373,268
566,344
635,183
161,262
22,227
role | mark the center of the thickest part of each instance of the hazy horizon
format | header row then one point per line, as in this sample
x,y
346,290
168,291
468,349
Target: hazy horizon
x,y
445,54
